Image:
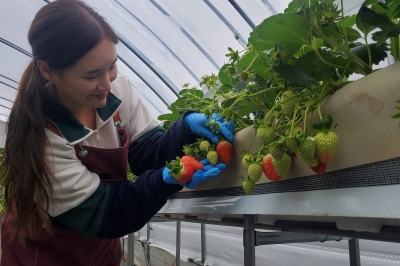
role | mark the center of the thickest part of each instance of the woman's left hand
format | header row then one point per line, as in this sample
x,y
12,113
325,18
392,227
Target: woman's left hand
x,y
208,172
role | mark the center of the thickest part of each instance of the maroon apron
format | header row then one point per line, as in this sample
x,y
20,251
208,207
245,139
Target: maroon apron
x,y
65,247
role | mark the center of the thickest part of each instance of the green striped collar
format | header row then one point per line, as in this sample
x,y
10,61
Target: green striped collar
x,y
71,128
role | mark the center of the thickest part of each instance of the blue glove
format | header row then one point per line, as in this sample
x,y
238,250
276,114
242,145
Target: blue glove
x,y
197,123
200,176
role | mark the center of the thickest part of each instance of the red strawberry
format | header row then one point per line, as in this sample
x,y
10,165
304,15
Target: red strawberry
x,y
225,151
274,169
192,162
320,168
269,169
181,171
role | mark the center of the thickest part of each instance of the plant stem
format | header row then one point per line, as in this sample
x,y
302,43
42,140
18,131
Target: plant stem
x,y
359,62
335,66
254,59
344,28
305,119
254,94
251,141
319,111
368,50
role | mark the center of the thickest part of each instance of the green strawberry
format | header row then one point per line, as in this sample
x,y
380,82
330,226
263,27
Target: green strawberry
x,y
288,102
326,145
246,158
276,151
255,172
282,166
248,185
205,146
212,157
291,143
265,134
306,152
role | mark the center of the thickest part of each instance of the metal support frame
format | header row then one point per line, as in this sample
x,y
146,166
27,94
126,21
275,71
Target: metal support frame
x,y
354,252
288,232
148,243
203,243
178,244
273,238
249,240
131,249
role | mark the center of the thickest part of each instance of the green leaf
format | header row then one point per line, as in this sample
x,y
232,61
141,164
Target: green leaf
x,y
341,61
352,34
175,106
349,21
258,44
240,86
246,108
387,32
290,31
331,31
224,89
313,66
328,122
295,5
396,115
395,48
394,8
258,65
363,14
172,117
378,53
225,78
318,125
295,75
367,20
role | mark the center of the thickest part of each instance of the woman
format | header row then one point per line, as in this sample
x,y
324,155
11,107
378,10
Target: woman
x,y
73,127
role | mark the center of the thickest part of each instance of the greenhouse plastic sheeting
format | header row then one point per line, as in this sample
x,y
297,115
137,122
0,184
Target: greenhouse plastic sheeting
x,y
163,43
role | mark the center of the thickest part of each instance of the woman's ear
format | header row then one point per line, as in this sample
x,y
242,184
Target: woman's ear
x,y
46,71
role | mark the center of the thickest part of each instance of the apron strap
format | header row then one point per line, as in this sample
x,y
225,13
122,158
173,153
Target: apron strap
x,y
52,127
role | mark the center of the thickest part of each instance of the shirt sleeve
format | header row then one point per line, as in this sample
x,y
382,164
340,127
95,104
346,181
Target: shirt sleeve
x,y
150,147
90,207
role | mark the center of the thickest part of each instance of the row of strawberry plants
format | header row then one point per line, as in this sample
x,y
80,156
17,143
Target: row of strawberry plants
x,y
278,82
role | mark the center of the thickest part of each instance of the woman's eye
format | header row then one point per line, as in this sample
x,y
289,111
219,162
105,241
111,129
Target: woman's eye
x,y
111,67
91,77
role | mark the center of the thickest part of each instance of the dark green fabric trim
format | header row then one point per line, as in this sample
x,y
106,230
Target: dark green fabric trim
x,y
108,110
86,218
70,127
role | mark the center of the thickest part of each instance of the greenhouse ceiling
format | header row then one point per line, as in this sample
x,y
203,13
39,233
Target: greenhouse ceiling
x,y
163,43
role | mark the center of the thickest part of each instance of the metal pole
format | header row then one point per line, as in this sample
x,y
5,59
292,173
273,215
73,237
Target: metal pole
x,y
203,243
178,243
148,243
249,240
131,252
354,252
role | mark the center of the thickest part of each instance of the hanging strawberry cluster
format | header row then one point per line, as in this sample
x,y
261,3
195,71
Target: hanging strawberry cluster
x,y
183,169
276,82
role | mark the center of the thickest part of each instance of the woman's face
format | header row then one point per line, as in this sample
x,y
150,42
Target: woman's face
x,y
87,83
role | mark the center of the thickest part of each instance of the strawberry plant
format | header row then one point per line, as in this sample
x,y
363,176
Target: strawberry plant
x,y
293,61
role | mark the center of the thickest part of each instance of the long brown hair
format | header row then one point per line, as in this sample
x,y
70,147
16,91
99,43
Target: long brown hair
x,y
61,33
